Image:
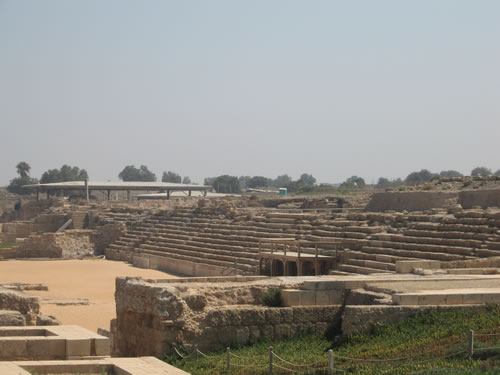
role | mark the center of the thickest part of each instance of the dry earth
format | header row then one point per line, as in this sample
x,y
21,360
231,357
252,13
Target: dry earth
x,y
73,280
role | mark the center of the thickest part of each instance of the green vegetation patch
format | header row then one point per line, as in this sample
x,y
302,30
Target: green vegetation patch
x,y
272,298
432,342
7,245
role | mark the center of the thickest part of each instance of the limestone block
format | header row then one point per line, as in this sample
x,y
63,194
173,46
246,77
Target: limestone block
x,y
11,318
273,316
308,298
102,346
241,335
404,299
77,347
335,297
407,266
322,297
281,331
267,331
470,298
431,299
12,349
286,315
454,299
291,297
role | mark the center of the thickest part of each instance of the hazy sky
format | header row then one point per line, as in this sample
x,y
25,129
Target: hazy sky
x,y
203,88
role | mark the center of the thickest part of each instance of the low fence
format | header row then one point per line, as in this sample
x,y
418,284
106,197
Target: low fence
x,y
273,363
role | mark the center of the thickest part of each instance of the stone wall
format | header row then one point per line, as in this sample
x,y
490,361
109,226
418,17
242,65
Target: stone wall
x,y
410,201
68,244
151,317
21,308
105,235
484,198
43,223
154,316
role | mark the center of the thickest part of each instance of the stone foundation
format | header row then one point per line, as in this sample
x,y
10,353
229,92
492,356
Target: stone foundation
x,y
69,244
152,317
213,313
27,307
410,201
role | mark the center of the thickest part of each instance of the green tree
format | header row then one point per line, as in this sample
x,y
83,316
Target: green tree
x,y
23,169
131,173
209,181
17,183
450,173
243,180
306,180
382,182
282,181
497,173
259,182
66,173
226,184
421,177
171,177
186,180
354,181
481,171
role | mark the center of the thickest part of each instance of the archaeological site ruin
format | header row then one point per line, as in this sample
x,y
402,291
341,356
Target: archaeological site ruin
x,y
340,265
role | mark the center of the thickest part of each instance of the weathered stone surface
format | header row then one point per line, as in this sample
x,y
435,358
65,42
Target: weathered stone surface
x,y
11,318
47,320
149,316
68,244
28,306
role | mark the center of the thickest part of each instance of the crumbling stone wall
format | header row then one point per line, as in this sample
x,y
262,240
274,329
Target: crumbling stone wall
x,y
68,244
21,309
105,235
154,316
43,223
151,318
484,198
410,200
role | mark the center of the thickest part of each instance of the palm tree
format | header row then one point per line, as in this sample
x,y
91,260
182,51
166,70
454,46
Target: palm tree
x,y
23,169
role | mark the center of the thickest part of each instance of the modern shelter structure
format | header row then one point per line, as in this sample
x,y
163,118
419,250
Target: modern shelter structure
x,y
128,186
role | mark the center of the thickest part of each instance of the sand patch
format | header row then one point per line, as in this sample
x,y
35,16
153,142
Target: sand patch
x,y
92,280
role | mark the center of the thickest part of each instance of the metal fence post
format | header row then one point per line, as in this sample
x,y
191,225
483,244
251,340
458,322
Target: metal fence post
x,y
270,360
196,351
228,351
471,343
330,362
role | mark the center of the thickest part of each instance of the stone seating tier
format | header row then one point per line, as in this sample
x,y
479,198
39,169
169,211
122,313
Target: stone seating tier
x,y
375,240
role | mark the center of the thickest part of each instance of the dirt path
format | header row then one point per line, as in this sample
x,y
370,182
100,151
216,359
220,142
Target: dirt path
x,y
93,280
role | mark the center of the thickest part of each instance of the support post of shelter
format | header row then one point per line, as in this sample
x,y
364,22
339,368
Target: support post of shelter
x,y
109,195
48,194
87,190
189,192
37,194
168,194
128,195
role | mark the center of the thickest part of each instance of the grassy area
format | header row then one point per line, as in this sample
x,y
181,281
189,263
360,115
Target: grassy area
x,y
7,245
434,342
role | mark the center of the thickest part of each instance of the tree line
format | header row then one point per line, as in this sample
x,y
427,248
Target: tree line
x,y
227,183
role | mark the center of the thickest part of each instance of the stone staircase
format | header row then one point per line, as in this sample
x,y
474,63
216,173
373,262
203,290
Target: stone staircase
x,y
467,234
372,242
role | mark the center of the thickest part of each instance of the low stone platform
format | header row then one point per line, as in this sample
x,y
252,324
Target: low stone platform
x,y
111,366
449,297
50,343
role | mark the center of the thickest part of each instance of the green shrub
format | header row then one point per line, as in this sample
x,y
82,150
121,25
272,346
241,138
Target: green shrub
x,y
272,298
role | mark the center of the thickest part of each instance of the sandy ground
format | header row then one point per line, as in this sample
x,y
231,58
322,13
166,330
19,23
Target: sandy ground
x,y
75,279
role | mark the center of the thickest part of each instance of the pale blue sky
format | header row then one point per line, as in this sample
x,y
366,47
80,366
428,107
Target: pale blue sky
x,y
203,88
